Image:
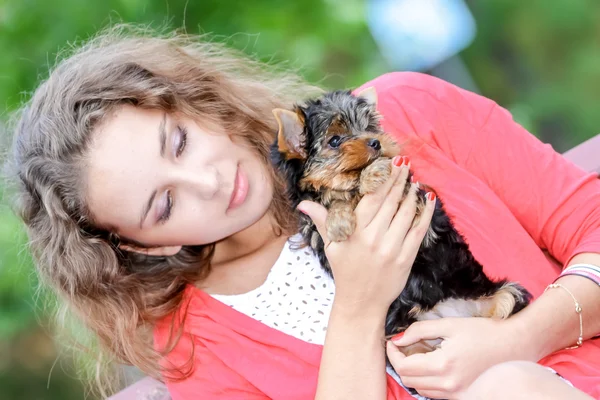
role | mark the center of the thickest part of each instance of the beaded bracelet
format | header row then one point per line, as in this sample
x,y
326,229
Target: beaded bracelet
x,y
577,310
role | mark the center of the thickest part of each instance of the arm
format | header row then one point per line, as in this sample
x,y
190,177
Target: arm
x,y
539,319
353,360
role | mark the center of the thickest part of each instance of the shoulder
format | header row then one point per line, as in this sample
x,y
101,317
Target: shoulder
x,y
413,83
428,96
407,80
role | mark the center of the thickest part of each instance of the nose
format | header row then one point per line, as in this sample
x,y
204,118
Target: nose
x,y
204,182
374,144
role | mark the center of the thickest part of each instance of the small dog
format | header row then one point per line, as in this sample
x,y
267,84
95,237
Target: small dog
x,y
332,150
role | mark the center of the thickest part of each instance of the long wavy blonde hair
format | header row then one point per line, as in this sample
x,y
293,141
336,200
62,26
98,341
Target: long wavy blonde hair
x,y
119,295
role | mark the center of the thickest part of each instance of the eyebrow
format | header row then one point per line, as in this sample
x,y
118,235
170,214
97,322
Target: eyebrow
x,y
162,137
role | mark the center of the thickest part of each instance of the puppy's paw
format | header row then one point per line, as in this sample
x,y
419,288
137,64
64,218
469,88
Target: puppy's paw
x,y
340,223
510,299
373,176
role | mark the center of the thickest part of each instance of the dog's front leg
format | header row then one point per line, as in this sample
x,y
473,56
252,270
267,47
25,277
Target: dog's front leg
x,y
341,221
375,175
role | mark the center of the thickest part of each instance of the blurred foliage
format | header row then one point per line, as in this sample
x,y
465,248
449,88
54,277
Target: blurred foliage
x,y
538,58
541,59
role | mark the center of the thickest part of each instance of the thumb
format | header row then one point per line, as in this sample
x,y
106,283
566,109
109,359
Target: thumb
x,y
317,213
394,354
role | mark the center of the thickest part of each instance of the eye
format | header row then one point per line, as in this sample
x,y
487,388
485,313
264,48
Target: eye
x,y
335,141
180,140
168,206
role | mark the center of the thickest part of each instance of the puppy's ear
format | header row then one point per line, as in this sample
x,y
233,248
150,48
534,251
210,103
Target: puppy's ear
x,y
369,94
290,136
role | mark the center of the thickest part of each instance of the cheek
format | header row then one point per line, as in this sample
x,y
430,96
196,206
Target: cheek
x,y
261,194
267,191
329,174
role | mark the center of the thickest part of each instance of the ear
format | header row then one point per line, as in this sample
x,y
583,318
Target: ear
x,y
369,94
163,251
290,135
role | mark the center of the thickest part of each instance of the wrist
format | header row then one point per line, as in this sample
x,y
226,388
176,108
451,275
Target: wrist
x,y
526,341
359,315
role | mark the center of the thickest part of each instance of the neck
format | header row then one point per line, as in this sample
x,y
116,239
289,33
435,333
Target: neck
x,y
244,243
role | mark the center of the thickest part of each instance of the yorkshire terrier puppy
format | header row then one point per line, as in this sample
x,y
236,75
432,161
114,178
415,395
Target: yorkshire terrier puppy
x,y
332,150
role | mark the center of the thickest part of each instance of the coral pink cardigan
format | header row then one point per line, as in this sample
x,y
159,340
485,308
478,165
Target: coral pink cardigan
x,y
510,196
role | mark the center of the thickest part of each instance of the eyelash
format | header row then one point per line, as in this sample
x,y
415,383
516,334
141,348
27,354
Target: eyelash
x,y
183,142
167,213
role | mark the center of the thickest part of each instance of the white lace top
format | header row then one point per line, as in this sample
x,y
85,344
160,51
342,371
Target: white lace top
x,y
295,298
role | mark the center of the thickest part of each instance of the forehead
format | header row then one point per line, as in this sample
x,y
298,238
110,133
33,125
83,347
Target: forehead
x,y
126,123
120,162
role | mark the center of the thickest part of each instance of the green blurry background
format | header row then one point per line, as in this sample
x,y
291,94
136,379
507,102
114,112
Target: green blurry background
x,y
538,58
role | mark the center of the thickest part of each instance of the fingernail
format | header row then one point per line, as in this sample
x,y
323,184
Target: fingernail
x,y
397,161
397,337
412,179
405,160
431,196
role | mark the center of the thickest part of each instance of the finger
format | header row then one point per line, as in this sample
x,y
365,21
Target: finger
x,y
433,387
393,353
416,234
418,365
424,330
432,393
382,219
403,218
423,383
318,214
370,203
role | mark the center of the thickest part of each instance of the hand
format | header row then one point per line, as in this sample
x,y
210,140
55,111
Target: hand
x,y
469,347
372,266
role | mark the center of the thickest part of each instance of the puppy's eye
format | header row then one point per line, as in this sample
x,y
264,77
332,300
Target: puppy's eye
x,y
335,141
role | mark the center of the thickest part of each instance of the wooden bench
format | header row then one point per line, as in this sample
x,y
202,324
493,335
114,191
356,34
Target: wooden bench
x,y
586,155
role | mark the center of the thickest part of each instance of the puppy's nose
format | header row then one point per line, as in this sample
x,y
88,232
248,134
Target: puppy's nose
x,y
374,144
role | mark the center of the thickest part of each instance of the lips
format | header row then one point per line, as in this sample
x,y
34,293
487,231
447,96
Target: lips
x,y
240,189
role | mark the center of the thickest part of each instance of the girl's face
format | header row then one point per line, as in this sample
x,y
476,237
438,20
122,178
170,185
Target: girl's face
x,y
162,180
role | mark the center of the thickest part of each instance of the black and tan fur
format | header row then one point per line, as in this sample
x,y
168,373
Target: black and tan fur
x,y
332,150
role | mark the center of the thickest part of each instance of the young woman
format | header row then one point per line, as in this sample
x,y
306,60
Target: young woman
x,y
153,212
